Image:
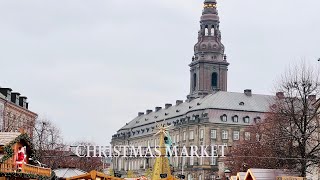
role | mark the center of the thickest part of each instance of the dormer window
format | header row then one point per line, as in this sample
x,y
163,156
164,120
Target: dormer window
x,y
241,103
224,118
235,118
246,119
137,122
257,119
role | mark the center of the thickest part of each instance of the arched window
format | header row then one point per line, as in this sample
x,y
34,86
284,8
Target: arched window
x,y
214,79
212,31
194,85
206,31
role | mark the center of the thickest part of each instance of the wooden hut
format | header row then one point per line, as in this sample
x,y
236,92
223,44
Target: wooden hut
x,y
11,145
241,175
94,175
269,174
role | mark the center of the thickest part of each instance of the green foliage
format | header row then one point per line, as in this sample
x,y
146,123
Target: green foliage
x,y
9,151
26,176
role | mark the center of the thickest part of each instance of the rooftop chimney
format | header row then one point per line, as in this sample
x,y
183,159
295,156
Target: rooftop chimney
x,y
15,97
158,109
312,98
140,113
168,105
248,92
178,102
148,111
6,92
23,101
280,95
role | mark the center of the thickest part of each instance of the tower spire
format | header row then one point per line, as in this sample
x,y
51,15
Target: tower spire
x,y
209,67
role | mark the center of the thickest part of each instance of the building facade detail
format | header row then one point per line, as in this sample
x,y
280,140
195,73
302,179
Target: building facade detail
x,y
210,115
209,66
15,114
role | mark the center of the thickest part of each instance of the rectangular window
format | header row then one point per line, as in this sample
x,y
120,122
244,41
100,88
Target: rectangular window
x,y
191,135
213,134
257,137
213,161
235,119
191,161
224,134
247,136
173,138
246,119
201,134
184,135
178,138
224,118
183,161
236,135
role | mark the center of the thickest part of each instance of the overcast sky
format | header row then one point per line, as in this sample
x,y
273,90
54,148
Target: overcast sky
x,y
91,66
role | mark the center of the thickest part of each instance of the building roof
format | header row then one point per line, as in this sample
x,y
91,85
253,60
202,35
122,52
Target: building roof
x,y
68,172
241,175
219,100
7,137
266,174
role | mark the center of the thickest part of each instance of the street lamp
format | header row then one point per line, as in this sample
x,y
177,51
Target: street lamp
x,y
227,173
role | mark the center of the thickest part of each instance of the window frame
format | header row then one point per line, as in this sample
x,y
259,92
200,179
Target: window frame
x,y
215,133
238,135
224,118
191,135
245,119
235,118
225,134
247,136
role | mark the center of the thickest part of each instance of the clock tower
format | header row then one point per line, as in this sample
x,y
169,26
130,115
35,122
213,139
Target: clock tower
x,y
209,66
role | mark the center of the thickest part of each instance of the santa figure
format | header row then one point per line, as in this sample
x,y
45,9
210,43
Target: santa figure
x,y
21,157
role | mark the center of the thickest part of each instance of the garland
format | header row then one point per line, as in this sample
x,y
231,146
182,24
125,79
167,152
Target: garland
x,y
27,176
8,153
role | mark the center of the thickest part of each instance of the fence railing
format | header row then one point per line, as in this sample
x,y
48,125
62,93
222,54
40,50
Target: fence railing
x,y
26,168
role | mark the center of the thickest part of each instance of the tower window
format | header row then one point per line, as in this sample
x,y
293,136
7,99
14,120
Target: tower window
x,y
194,81
206,31
212,31
214,79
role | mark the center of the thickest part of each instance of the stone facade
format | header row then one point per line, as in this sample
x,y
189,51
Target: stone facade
x,y
15,115
219,118
210,115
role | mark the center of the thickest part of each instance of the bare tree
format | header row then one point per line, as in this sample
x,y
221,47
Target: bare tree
x,y
289,136
66,158
256,152
294,118
46,137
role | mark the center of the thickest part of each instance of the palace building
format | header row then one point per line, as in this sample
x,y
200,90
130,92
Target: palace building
x,y
209,115
14,112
